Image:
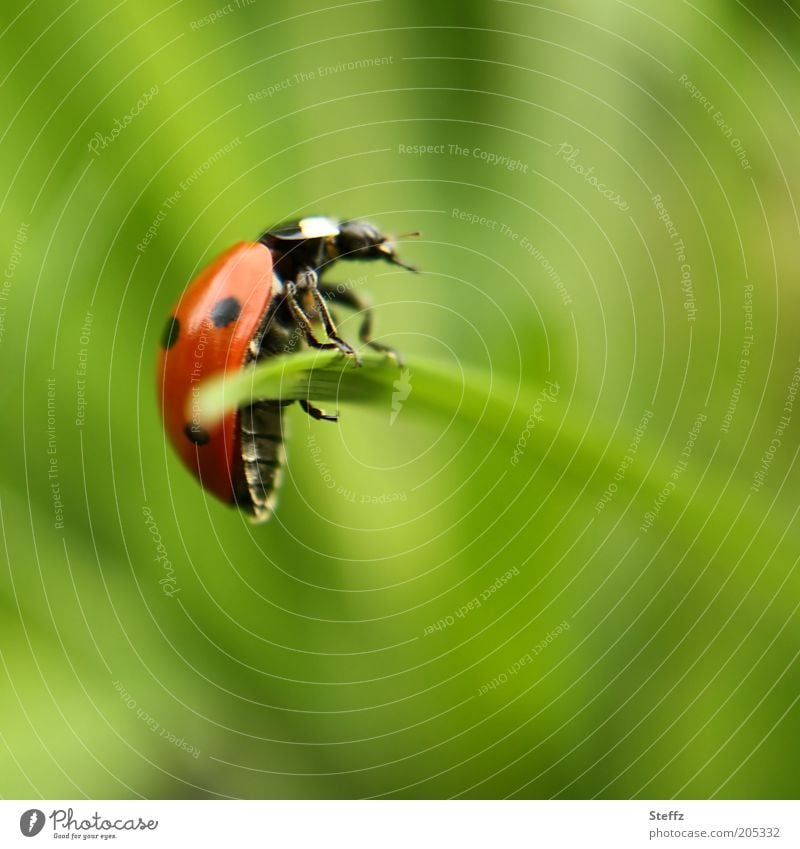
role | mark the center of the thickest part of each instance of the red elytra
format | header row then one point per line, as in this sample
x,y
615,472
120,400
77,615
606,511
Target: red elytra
x,y
207,334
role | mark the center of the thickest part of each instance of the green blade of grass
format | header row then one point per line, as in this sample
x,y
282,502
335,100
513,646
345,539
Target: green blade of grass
x,y
309,375
320,376
501,410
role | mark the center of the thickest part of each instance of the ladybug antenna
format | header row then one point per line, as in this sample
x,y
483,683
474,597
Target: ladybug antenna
x,y
395,260
392,257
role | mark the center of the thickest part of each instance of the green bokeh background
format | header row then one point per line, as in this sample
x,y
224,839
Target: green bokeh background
x,y
296,659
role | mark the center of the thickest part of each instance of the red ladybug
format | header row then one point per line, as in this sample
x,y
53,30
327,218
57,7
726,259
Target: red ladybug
x,y
256,300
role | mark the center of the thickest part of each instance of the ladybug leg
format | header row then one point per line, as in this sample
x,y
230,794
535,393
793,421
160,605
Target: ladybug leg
x,y
338,292
310,280
316,413
302,320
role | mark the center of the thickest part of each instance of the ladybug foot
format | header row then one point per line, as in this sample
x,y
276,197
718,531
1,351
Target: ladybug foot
x,y
317,414
390,353
349,351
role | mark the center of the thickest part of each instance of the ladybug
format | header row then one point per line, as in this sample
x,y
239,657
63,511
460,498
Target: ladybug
x,y
257,300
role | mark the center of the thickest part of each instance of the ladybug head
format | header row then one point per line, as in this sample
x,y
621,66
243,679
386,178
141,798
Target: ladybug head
x,y
360,240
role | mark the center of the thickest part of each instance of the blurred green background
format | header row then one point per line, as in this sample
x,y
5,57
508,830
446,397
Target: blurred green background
x,y
617,655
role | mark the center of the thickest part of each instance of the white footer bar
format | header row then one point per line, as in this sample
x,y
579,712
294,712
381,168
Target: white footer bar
x,y
390,824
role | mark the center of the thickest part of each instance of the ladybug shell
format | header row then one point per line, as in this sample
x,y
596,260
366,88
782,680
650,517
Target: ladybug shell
x,y
207,334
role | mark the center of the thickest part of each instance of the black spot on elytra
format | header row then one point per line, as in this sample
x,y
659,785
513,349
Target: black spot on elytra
x,y
171,331
195,433
226,311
